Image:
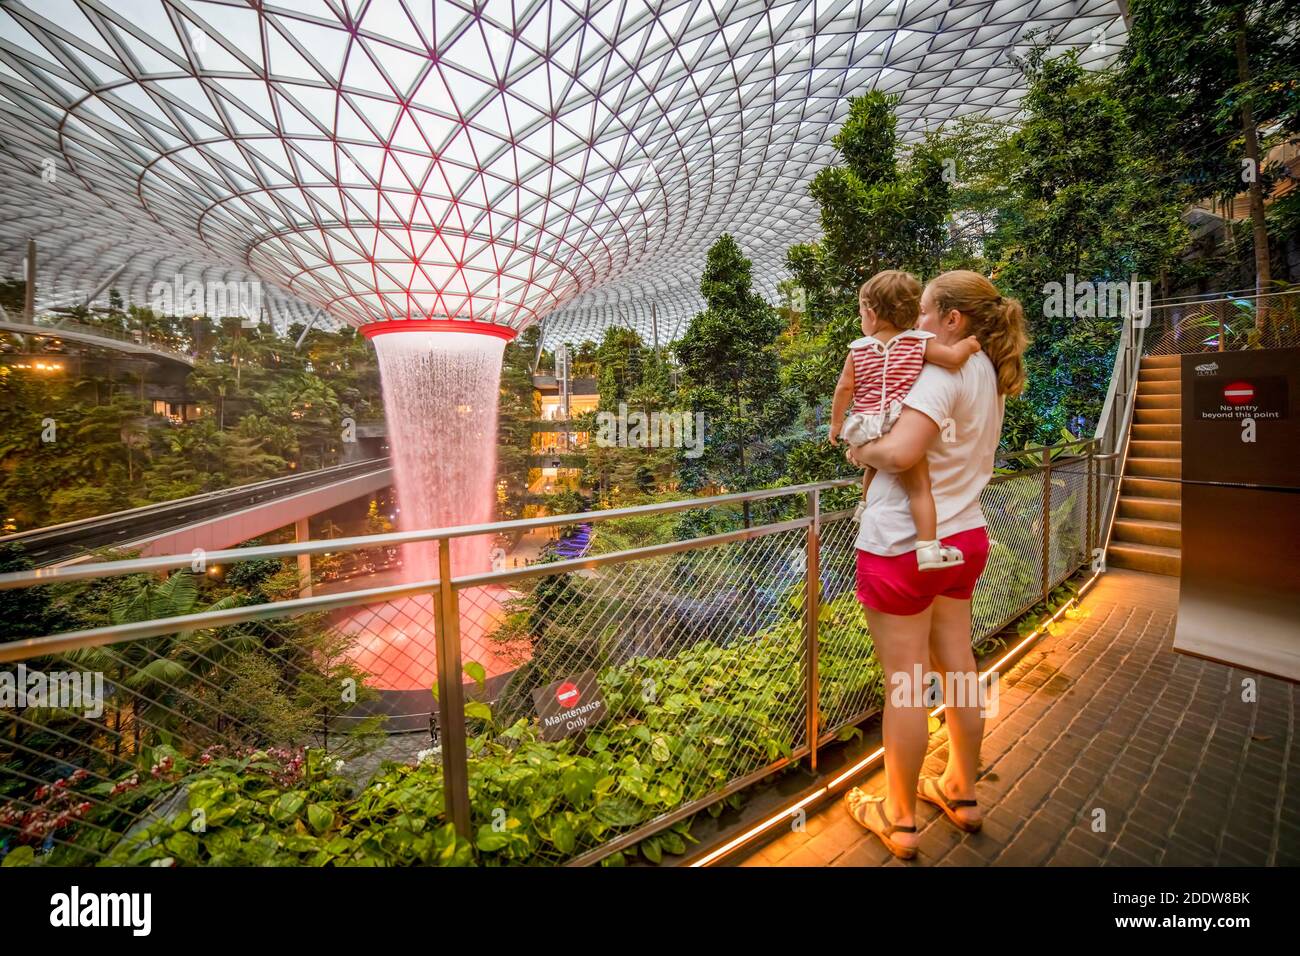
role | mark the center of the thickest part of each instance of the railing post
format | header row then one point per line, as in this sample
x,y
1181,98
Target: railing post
x,y
1088,536
812,607
451,697
1047,524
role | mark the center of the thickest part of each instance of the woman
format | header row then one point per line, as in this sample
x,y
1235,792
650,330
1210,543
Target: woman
x,y
920,619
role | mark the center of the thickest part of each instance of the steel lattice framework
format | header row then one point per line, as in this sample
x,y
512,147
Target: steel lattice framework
x,y
504,161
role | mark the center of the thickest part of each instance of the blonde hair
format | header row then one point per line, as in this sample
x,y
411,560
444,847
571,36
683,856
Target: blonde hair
x,y
895,297
998,323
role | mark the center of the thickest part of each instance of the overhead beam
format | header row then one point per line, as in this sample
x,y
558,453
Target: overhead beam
x,y
306,329
29,294
99,289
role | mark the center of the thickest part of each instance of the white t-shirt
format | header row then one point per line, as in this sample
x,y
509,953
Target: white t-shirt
x,y
959,469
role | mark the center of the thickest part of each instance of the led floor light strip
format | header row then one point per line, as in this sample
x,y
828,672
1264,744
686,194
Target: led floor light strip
x,y
869,761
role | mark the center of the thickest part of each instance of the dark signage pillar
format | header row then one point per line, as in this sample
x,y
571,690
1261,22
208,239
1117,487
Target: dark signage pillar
x,y
1239,601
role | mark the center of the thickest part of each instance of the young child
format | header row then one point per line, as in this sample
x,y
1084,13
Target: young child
x,y
879,371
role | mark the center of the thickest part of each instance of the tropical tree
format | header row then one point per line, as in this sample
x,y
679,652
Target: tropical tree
x,y
878,211
515,414
215,382
731,372
1211,85
1080,209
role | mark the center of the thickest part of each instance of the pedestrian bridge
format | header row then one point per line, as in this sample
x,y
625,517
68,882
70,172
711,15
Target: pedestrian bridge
x,y
112,339
210,521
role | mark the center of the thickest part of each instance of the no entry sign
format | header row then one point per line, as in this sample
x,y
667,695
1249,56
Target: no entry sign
x,y
569,706
1238,393
1229,398
567,694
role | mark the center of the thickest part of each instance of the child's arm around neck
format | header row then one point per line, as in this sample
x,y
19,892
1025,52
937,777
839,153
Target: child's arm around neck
x,y
951,356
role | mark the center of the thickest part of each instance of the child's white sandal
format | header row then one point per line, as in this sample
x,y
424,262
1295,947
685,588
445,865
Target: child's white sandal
x,y
933,556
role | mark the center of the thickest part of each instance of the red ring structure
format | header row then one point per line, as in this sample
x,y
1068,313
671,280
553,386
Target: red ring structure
x,y
472,326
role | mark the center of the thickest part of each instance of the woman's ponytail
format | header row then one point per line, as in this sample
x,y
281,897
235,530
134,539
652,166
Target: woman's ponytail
x,y
998,323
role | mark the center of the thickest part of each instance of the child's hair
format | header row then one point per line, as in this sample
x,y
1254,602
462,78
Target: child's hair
x,y
895,297
997,322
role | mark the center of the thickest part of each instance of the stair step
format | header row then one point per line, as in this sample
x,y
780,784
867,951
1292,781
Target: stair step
x,y
1161,361
1171,387
1147,448
1171,432
1158,416
1153,560
1146,531
1171,373
1151,488
1167,400
1153,467
1151,509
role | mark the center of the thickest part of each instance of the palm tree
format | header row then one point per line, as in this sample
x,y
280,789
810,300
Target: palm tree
x,y
214,380
161,675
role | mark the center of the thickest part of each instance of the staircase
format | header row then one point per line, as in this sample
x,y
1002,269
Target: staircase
x,y
1148,523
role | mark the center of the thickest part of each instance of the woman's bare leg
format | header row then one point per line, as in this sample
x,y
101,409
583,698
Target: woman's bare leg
x,y
902,647
950,650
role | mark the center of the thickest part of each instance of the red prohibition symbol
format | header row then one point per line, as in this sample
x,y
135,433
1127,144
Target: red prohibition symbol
x,y
1238,393
567,694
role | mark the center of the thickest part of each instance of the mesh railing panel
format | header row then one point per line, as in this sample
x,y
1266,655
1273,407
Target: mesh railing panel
x,y
1014,575
700,660
848,675
1068,545
1268,321
114,724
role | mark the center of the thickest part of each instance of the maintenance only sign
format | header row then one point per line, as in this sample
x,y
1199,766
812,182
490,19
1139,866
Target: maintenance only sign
x,y
569,706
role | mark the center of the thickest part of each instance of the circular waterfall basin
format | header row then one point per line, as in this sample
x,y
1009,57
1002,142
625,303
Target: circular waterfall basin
x,y
396,644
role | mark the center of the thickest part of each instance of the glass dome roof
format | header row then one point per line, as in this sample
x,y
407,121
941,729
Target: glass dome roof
x,y
498,161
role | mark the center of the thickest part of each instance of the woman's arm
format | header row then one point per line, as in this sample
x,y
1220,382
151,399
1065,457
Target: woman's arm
x,y
903,446
843,396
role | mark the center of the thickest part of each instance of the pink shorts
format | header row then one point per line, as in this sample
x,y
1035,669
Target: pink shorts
x,y
894,584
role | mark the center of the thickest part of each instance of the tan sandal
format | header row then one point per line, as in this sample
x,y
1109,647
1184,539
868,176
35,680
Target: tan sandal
x,y
858,804
930,790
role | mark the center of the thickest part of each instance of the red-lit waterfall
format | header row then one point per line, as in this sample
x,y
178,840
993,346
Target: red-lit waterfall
x,y
441,390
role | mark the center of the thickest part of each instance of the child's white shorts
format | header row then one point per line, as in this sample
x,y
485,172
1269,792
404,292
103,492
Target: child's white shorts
x,y
862,427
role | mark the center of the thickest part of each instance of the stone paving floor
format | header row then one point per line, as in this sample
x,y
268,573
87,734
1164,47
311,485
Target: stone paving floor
x,y
1106,716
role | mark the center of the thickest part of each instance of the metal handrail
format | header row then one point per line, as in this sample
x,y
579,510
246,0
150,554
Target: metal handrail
x,y
167,562
1114,422
1209,298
